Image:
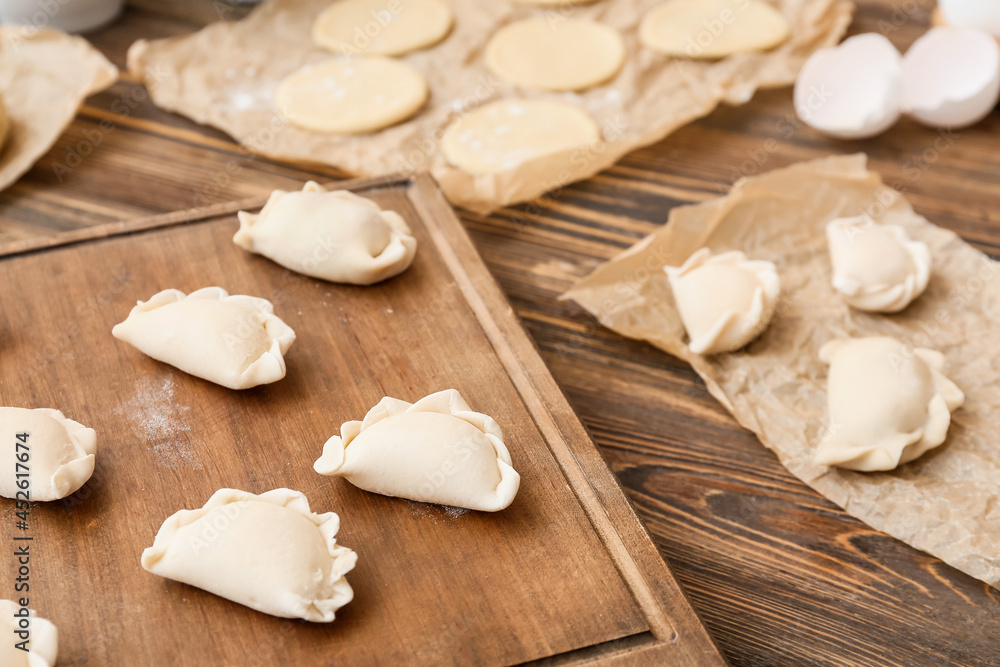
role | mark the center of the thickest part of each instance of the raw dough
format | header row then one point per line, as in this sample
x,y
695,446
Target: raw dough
x,y
351,95
877,267
564,54
381,27
336,236
268,552
552,3
236,341
434,451
724,301
709,29
60,452
889,403
504,135
43,645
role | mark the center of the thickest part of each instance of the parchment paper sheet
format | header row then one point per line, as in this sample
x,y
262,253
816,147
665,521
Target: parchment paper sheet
x,y
44,77
947,502
226,74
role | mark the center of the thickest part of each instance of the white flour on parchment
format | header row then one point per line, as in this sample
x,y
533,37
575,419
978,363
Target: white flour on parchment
x,y
155,416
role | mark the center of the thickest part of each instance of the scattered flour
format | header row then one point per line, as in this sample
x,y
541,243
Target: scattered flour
x,y
155,416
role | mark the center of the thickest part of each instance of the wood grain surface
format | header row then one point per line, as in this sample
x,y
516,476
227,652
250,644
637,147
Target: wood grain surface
x,y
566,573
780,576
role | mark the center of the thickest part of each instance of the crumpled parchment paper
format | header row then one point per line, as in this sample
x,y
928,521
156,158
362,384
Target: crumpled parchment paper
x,y
947,502
45,75
226,75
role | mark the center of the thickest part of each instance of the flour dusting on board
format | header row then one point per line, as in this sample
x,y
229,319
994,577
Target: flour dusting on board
x,y
159,420
430,511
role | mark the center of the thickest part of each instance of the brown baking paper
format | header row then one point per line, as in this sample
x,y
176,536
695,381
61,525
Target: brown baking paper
x,y
226,75
947,502
45,75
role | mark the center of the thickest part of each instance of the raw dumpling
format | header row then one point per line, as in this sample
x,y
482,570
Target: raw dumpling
x,y
888,403
434,451
41,636
336,236
268,552
56,452
724,301
236,341
877,267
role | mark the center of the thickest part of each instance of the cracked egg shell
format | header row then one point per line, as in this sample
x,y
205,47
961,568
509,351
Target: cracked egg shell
x,y
851,91
981,14
951,77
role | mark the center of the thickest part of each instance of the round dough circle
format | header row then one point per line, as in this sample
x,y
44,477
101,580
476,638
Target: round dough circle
x,y
570,54
381,27
505,134
552,3
360,94
709,29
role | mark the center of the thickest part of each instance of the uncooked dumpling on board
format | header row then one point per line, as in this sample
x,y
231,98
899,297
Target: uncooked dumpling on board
x,y
331,235
42,638
55,453
888,403
381,27
236,341
724,301
877,268
269,552
436,450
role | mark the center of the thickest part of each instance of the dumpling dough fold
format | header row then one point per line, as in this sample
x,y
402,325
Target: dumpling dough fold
x,y
436,450
236,341
888,403
60,452
43,646
330,235
724,301
268,552
876,268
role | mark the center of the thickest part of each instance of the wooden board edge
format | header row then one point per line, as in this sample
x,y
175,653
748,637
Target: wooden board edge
x,y
183,217
671,617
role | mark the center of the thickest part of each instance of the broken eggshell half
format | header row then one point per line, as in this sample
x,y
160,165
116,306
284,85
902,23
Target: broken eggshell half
x,y
851,91
981,14
951,77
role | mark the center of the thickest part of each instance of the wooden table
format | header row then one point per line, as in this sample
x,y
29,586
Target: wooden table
x,y
779,575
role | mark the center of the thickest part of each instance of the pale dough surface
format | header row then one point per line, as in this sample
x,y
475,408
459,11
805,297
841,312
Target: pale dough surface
x,y
331,235
876,268
436,450
552,3
236,341
269,552
888,403
381,27
504,135
563,55
724,301
709,29
43,649
351,95
60,452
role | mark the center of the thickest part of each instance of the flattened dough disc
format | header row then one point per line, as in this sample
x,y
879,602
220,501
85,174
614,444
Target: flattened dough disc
x,y
381,27
552,3
708,29
360,94
555,54
505,134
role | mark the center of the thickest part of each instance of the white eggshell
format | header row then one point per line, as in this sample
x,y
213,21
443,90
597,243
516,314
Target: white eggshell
x,y
851,91
982,14
951,77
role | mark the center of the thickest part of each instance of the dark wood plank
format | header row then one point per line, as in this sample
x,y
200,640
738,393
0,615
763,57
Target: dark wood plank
x,y
780,576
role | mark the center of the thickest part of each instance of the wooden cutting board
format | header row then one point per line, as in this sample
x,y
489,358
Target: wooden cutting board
x,y
566,573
